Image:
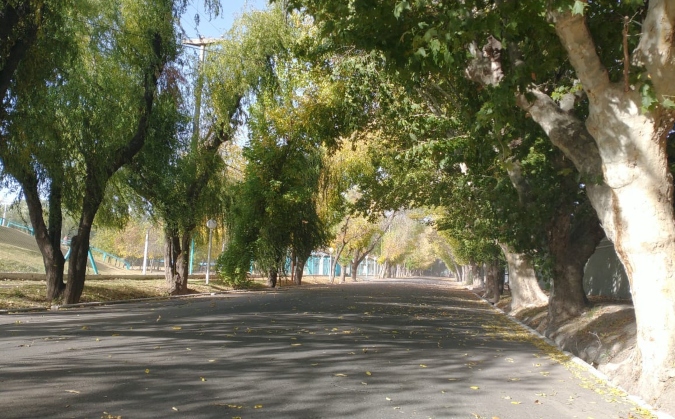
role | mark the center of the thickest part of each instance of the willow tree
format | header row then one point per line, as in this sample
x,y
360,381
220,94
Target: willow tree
x,y
74,124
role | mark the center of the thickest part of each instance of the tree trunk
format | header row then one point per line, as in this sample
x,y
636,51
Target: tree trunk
x,y
629,183
48,237
272,278
523,284
571,242
492,280
177,253
79,251
343,273
299,270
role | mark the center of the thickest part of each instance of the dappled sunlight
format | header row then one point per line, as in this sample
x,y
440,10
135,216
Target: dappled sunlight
x,y
350,351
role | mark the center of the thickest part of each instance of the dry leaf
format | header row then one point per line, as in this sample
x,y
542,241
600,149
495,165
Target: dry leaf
x,y
387,398
73,391
147,370
369,373
516,402
257,406
175,408
176,328
474,387
202,378
340,375
423,366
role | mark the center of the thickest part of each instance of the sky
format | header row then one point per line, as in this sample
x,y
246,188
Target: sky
x,y
216,27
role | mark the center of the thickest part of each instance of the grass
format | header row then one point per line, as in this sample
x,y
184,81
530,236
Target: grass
x,y
17,294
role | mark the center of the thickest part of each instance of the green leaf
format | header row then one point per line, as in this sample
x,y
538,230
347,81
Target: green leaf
x,y
400,7
579,7
668,103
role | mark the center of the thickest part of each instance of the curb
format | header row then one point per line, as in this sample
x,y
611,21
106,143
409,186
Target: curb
x,y
635,399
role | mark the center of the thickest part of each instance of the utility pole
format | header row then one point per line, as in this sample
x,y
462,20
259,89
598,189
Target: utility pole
x,y
201,43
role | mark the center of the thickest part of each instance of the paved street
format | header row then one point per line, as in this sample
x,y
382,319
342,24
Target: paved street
x,y
380,349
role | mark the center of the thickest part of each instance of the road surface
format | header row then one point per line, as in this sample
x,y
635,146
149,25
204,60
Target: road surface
x,y
378,349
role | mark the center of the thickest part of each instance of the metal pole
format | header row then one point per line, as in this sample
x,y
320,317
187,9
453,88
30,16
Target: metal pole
x,y
192,255
145,252
208,257
4,216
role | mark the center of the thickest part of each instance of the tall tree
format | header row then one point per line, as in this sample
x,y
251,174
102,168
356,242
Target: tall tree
x,y
99,104
619,150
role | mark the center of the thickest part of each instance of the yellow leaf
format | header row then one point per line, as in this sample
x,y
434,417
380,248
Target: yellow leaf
x,y
387,398
516,402
73,391
176,328
369,373
85,327
474,387
175,408
147,370
340,375
423,366
296,344
202,378
257,406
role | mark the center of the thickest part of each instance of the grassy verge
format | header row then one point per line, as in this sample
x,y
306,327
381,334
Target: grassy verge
x,y
17,294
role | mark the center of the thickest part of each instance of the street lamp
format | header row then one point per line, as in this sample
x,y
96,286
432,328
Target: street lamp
x,y
330,264
211,224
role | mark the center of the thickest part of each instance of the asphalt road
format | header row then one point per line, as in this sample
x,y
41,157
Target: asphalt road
x,y
381,349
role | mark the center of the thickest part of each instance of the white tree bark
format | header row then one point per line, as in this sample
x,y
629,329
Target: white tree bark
x,y
620,152
525,290
635,204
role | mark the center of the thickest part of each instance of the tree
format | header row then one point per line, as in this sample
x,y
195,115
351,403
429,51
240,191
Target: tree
x,y
108,79
619,151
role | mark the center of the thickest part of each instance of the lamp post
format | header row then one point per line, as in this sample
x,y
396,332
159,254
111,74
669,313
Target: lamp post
x,y
211,224
330,264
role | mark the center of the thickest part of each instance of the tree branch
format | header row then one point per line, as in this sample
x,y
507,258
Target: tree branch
x,y
577,40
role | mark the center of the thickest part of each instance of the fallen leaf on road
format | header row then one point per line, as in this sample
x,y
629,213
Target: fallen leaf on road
x,y
176,328
388,399
202,378
516,402
175,408
73,391
423,366
474,387
340,375
257,406
147,370
369,373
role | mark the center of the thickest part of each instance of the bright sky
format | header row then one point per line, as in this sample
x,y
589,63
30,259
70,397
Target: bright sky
x,y
214,28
